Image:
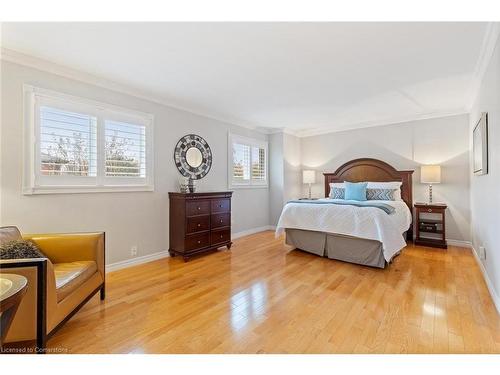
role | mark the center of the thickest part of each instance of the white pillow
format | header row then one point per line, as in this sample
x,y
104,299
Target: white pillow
x,y
395,185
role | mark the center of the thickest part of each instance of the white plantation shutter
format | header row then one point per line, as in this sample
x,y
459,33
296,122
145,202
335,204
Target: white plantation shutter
x,y
258,164
125,149
68,143
241,162
247,162
79,145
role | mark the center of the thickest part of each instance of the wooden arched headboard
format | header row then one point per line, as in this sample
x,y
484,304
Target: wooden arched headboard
x,y
366,169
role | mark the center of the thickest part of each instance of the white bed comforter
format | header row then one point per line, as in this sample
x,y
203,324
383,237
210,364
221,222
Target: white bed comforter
x,y
363,222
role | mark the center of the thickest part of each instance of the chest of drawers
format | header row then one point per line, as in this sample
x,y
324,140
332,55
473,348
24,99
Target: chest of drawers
x,y
199,222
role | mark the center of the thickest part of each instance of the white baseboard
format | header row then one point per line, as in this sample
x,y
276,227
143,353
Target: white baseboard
x,y
135,261
251,231
459,243
163,254
494,295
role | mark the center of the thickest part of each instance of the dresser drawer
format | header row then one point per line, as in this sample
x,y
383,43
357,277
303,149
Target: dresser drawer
x,y
221,220
197,241
197,224
220,236
221,205
201,207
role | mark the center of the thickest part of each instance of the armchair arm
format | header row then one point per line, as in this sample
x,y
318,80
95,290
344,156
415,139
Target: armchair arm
x,y
71,247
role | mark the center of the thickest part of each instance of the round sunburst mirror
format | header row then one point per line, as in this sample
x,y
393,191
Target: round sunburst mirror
x,y
193,157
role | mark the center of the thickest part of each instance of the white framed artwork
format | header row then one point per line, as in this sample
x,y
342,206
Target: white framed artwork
x,y
480,145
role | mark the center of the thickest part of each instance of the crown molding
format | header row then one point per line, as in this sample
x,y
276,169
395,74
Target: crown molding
x,y
383,122
47,66
67,72
281,130
485,54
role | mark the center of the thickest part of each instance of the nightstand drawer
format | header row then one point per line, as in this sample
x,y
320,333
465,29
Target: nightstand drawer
x,y
432,210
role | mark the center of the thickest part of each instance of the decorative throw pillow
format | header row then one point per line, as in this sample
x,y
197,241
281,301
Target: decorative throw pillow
x,y
337,193
355,191
388,185
20,249
380,194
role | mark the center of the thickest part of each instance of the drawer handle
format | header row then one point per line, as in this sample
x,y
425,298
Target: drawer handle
x,y
199,241
220,205
221,236
221,220
429,210
199,225
199,208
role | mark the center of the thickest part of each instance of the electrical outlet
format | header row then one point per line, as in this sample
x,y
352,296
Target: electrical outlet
x,y
133,251
482,252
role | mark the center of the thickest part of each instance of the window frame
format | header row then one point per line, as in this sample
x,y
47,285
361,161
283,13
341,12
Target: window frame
x,y
36,183
251,142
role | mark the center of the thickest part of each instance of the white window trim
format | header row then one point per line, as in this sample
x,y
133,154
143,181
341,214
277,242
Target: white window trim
x,y
99,184
251,184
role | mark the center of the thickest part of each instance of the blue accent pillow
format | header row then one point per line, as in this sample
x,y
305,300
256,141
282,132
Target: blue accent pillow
x,y
355,191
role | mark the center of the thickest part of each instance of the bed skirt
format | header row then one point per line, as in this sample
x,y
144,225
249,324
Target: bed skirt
x,y
337,246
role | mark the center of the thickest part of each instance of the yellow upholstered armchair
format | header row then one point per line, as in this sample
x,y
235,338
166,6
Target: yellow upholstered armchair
x,y
59,285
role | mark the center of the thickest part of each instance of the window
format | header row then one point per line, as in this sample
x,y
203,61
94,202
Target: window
x,y
125,149
77,145
247,162
68,143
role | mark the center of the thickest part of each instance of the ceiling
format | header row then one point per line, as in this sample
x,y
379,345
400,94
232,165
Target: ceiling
x,y
303,77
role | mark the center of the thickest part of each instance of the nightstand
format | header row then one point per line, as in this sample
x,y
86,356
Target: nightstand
x,y
430,224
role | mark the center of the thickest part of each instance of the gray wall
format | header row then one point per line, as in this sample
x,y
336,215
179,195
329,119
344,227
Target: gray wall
x,y
277,176
129,219
285,172
485,190
443,141
292,159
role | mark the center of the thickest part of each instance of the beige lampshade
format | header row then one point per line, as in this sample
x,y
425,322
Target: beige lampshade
x,y
430,174
308,176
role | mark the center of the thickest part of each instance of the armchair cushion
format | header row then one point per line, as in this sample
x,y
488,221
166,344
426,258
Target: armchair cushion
x,y
69,276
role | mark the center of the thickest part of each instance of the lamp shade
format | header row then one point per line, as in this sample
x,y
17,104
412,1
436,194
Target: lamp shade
x,y
308,176
430,174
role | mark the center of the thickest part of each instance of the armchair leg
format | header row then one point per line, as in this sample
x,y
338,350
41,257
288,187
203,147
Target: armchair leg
x,y
103,292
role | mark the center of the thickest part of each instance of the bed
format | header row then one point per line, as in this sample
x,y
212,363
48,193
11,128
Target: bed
x,y
361,233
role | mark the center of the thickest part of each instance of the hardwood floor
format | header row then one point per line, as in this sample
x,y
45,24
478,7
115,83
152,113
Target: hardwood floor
x,y
261,298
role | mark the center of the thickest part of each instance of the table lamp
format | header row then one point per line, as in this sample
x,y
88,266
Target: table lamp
x,y
430,174
309,177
